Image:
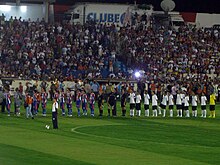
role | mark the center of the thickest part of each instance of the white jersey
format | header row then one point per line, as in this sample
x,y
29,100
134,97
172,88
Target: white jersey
x,y
194,100
164,100
183,98
54,107
132,97
154,100
171,100
179,99
146,99
186,101
203,100
138,99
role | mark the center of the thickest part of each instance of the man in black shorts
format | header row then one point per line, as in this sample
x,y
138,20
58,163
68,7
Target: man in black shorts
x,y
111,103
100,103
123,102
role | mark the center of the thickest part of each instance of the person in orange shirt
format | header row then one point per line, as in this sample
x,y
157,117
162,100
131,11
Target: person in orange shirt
x,y
28,106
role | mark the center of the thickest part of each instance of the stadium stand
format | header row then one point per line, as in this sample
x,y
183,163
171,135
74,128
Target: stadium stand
x,y
37,50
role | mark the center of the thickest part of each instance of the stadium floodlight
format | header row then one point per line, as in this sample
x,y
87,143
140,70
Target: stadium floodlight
x,y
137,74
23,9
5,8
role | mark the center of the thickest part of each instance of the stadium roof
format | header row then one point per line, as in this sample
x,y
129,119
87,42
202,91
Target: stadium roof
x,y
202,6
206,6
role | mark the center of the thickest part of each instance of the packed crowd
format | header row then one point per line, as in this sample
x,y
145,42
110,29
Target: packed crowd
x,y
84,96
38,50
170,54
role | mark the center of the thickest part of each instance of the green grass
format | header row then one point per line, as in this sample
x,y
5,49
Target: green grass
x,y
119,140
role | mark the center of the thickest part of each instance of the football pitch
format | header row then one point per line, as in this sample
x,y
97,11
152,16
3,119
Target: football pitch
x,y
112,141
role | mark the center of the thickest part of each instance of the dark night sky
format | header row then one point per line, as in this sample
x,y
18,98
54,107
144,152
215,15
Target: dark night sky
x,y
205,6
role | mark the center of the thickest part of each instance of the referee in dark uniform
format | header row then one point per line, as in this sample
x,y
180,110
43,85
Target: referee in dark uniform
x,y
54,114
111,103
123,102
100,103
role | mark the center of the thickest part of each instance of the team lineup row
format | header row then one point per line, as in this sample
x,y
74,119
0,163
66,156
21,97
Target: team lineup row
x,y
83,100
181,100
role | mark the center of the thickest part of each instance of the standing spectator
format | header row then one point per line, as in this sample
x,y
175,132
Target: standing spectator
x,y
212,99
17,101
52,90
95,88
87,87
44,85
28,106
61,85
54,113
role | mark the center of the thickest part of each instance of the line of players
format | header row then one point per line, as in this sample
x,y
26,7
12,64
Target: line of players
x,y
181,100
66,99
33,101
82,99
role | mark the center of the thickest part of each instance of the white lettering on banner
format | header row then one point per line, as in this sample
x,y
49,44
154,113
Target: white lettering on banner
x,y
106,17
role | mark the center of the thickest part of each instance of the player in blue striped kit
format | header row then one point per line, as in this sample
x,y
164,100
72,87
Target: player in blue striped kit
x,y
62,102
35,104
84,103
8,102
78,101
69,99
43,101
92,103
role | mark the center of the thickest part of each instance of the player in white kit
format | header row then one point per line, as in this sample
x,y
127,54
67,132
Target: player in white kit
x,y
203,105
186,105
163,104
146,103
171,103
194,105
179,104
132,103
154,104
138,104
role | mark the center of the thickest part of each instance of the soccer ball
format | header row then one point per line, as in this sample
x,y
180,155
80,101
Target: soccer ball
x,y
47,127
